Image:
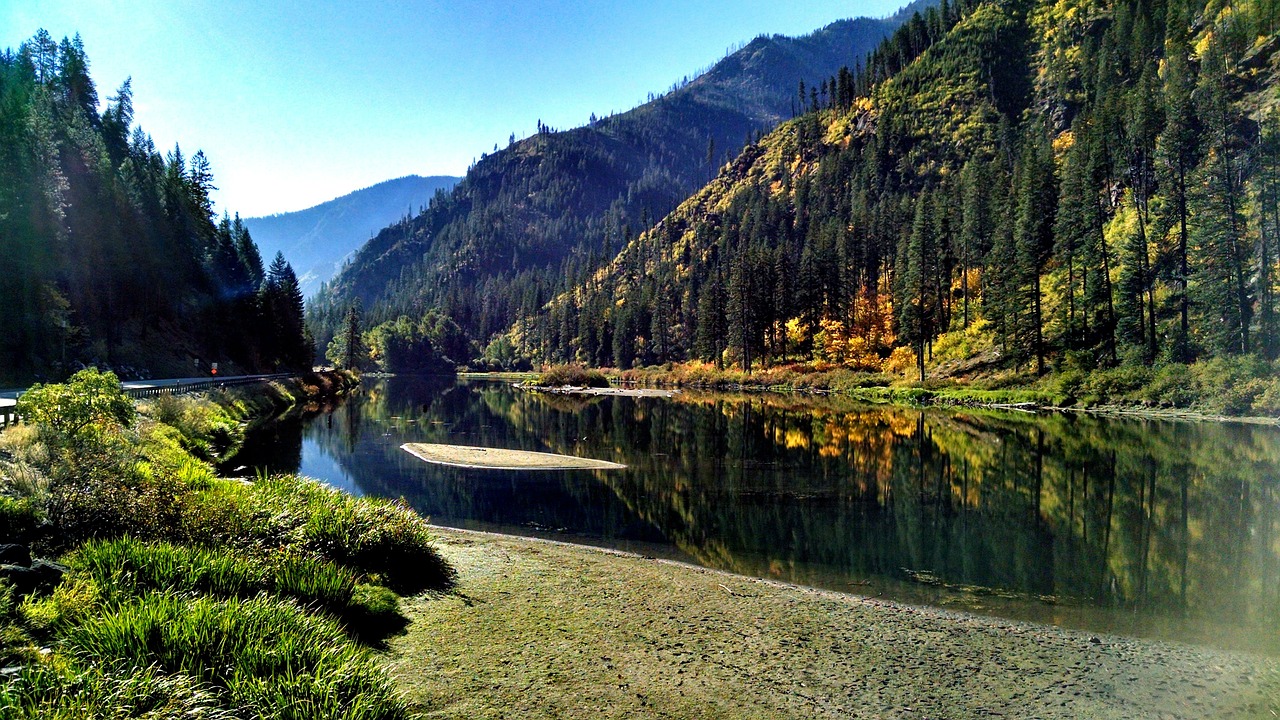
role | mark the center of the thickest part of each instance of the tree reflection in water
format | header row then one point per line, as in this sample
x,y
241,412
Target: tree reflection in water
x,y
1159,528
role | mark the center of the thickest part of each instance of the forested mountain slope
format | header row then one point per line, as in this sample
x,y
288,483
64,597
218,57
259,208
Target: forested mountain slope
x,y
109,251
318,240
553,207
1036,184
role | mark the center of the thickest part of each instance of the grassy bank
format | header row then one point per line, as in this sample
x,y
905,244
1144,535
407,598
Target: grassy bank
x,y
1220,387
589,634
136,583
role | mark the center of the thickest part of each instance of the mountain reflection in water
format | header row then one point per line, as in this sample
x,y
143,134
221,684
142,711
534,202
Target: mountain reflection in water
x,y
1141,527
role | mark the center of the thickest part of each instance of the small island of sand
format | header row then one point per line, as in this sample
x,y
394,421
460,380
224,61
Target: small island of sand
x,y
467,456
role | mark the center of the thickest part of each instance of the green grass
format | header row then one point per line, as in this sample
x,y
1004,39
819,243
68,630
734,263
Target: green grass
x,y
205,429
126,567
384,538
48,692
261,654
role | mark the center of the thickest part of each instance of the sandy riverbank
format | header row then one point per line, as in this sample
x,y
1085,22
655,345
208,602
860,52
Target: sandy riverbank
x,y
539,629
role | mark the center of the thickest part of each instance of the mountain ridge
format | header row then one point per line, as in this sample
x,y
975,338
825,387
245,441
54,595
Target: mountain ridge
x,y
556,204
319,239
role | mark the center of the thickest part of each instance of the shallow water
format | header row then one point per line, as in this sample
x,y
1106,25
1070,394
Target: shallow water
x,y
1150,528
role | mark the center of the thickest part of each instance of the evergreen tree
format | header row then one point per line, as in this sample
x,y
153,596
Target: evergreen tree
x,y
1268,183
1035,193
283,305
348,349
1218,232
1177,149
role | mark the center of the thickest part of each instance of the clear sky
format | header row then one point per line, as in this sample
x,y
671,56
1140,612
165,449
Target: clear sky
x,y
299,102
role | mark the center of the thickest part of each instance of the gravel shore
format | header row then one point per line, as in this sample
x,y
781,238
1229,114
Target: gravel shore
x,y
541,629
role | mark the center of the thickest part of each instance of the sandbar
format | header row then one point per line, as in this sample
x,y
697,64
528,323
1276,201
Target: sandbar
x,y
467,456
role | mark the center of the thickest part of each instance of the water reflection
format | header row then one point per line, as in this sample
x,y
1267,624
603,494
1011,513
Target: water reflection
x,y
1142,527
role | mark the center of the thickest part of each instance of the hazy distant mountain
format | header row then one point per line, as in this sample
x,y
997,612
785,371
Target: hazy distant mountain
x,y
316,241
550,209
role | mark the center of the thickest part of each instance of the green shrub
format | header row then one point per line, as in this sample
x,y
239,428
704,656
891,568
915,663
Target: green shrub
x,y
203,428
19,519
575,375
90,402
1115,384
377,536
1170,386
107,505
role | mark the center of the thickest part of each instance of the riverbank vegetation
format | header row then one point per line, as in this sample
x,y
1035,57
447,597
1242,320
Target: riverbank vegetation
x,y
1245,386
571,375
177,592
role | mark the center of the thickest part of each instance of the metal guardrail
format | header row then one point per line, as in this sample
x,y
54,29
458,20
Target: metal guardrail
x,y
9,415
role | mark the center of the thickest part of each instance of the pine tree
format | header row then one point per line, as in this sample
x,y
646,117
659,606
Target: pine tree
x,y
975,227
284,308
712,326
1268,182
1177,149
348,349
1035,193
1219,227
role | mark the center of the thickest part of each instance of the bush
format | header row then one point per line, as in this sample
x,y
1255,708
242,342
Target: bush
x,y
1116,384
90,402
19,519
575,375
376,536
203,428
1170,386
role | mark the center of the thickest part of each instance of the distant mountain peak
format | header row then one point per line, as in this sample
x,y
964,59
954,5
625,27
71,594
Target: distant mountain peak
x,y
318,240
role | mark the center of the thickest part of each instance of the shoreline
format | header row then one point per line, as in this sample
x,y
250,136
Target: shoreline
x,y
543,628
882,394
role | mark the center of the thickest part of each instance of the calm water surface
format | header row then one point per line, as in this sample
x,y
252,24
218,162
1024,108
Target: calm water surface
x,y
1149,528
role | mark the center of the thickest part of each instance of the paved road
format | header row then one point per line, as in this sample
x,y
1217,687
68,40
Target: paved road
x,y
10,396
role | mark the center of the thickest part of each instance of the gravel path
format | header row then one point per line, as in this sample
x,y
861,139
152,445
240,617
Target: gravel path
x,y
540,629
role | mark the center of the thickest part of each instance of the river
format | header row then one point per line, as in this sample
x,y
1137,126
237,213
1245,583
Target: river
x,y
1148,528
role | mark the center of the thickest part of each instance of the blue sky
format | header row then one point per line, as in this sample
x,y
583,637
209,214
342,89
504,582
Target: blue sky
x,y
299,102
